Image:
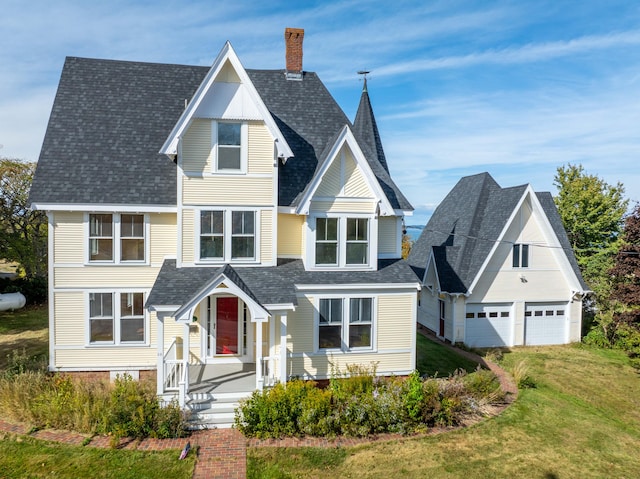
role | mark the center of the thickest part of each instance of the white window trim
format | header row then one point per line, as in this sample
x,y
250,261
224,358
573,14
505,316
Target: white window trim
x,y
116,240
529,250
372,253
346,299
227,218
115,294
244,148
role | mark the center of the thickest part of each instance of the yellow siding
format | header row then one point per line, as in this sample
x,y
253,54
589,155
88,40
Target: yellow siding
x,y
266,236
69,318
387,234
331,183
107,357
260,153
290,228
300,329
394,329
355,185
162,236
227,74
232,190
68,237
320,366
106,276
188,225
395,321
344,206
196,147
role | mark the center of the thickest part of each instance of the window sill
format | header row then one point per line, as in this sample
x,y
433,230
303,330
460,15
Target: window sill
x,y
329,352
114,345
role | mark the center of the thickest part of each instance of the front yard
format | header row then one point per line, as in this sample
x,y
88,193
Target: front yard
x,y
582,420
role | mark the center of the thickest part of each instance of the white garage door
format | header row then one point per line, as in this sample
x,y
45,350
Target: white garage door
x,y
545,323
488,325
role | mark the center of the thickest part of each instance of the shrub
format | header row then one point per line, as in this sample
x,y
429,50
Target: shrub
x,y
360,405
127,408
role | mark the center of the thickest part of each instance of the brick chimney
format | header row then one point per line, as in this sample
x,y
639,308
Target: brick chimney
x,y
293,40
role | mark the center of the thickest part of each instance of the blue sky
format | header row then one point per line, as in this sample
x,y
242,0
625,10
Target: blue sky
x,y
515,88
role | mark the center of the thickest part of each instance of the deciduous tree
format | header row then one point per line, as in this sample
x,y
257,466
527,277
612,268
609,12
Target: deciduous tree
x,y
592,212
23,231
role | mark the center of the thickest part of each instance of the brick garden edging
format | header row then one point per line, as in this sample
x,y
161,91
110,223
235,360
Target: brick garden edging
x,y
222,453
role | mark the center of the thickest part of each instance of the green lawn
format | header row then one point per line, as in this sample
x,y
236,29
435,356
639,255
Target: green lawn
x,y
435,360
582,420
25,329
29,458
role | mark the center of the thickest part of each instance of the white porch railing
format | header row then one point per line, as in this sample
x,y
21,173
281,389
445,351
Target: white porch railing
x,y
269,370
175,370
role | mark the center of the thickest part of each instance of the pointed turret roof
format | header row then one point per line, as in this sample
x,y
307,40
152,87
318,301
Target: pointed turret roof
x,y
366,129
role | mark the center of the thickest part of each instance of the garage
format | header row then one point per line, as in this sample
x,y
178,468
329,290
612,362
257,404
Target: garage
x,y
545,323
488,325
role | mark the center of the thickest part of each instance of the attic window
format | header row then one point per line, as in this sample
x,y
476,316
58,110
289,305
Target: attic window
x,y
520,256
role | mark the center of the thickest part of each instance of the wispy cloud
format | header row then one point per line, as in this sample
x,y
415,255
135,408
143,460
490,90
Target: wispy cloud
x,y
511,55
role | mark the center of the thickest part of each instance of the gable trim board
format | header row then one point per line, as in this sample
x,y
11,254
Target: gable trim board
x,y
227,53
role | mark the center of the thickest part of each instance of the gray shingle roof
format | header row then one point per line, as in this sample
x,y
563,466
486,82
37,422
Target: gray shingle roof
x,y
110,118
463,229
270,285
366,128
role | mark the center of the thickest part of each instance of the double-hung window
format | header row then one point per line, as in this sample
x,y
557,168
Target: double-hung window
x,y
227,235
101,237
243,234
116,318
345,323
212,234
117,238
131,237
342,242
520,256
230,149
327,241
357,240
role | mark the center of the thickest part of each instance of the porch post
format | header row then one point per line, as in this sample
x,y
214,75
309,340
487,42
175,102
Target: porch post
x,y
259,379
160,361
184,381
283,348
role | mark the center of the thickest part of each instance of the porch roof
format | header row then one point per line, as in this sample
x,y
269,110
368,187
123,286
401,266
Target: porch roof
x,y
268,285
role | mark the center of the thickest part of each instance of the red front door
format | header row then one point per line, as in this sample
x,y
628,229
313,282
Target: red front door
x,y
227,325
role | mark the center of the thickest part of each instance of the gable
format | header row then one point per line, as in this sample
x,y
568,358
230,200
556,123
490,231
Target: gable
x,y
226,93
345,171
549,273
344,178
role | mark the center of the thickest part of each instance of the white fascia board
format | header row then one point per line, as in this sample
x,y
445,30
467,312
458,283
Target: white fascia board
x,y
170,146
403,212
163,308
346,137
360,286
432,263
499,239
289,210
553,240
280,307
104,207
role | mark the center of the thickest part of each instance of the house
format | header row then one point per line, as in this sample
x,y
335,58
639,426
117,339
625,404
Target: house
x,y
220,229
497,268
